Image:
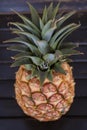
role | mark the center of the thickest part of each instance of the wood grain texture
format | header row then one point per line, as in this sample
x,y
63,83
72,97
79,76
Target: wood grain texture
x,y
78,17
21,6
74,37
6,56
9,108
27,124
7,88
7,72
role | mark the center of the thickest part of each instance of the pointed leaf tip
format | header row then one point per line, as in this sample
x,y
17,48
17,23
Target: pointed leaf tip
x,y
34,14
58,68
44,16
50,11
54,13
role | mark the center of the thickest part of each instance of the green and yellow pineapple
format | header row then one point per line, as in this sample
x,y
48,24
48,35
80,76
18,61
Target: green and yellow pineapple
x,y
44,84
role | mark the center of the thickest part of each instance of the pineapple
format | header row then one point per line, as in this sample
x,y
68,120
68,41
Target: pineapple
x,y
44,86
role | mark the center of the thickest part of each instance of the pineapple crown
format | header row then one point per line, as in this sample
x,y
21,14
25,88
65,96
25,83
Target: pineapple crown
x,y
41,46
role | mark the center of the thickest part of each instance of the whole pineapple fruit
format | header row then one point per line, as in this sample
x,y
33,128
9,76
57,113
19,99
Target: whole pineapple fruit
x,y
44,84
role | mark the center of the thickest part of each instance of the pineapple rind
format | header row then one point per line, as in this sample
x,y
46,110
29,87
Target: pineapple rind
x,y
48,102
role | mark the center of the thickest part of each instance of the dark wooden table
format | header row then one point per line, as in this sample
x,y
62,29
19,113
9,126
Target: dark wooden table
x,y
11,116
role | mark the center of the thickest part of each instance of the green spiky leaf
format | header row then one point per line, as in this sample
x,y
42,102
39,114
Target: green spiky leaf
x,y
55,11
62,34
43,50
58,68
34,15
50,58
49,34
49,11
67,33
27,46
21,62
24,27
46,27
49,75
44,16
43,47
19,48
31,69
36,60
22,55
35,72
69,45
42,76
64,18
41,24
59,34
27,21
29,66
69,52
29,36
58,54
18,25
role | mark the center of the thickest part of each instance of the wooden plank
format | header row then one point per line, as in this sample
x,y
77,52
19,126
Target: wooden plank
x,y
5,34
74,37
7,88
79,105
7,72
27,124
82,48
10,108
21,5
80,70
8,18
81,87
78,17
6,55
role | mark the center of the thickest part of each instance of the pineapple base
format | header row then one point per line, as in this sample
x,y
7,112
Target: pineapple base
x,y
48,102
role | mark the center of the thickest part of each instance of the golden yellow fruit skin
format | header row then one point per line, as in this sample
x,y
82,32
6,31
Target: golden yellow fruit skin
x,y
48,102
